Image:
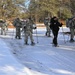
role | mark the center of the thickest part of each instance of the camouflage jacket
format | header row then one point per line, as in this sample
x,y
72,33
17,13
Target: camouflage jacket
x,y
17,23
29,26
47,22
72,23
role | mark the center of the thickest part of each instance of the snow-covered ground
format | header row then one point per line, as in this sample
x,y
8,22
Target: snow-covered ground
x,y
41,59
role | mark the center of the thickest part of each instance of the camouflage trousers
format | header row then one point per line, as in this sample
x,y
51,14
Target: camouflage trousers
x,y
18,33
26,35
72,31
3,31
47,30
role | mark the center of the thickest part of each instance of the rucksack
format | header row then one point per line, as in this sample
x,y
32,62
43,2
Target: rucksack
x,y
17,23
68,22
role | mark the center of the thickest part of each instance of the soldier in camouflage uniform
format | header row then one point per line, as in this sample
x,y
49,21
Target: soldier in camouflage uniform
x,y
71,24
72,30
47,24
28,31
17,23
3,26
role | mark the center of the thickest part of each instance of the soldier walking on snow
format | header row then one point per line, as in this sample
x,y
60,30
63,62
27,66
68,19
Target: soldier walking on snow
x,y
70,22
28,31
3,26
17,23
47,24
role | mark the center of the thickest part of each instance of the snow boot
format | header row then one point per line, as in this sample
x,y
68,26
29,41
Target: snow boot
x,y
32,43
55,45
26,43
71,40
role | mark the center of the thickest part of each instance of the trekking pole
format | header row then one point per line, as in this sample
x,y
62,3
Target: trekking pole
x,y
37,36
68,37
13,34
63,34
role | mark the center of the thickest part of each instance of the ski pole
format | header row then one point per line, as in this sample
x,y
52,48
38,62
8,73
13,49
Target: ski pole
x,y
63,34
37,36
68,38
13,33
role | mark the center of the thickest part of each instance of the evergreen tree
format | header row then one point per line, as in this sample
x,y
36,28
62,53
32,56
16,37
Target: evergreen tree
x,y
10,8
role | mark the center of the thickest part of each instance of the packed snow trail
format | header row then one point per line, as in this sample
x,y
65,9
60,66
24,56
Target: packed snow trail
x,y
43,58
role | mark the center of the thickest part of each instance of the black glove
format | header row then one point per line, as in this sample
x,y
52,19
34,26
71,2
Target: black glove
x,y
24,27
35,27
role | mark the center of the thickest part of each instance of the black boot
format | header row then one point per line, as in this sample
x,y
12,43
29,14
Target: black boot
x,y
26,43
32,43
46,33
71,40
15,37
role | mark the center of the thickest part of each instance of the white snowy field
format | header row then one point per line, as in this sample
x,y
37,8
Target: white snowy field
x,y
42,58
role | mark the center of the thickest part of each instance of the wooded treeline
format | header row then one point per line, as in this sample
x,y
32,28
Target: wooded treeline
x,y
37,9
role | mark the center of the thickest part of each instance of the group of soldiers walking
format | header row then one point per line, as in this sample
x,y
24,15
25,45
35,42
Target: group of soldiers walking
x,y
27,26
